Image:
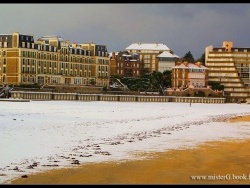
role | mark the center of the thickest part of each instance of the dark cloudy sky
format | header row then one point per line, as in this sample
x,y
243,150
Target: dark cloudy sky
x,y
182,27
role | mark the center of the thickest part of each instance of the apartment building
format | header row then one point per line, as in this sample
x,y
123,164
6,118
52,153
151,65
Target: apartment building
x,y
125,64
154,56
191,79
186,75
50,60
230,66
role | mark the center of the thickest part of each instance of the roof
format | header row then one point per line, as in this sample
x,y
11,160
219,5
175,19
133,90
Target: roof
x,y
148,46
167,54
190,66
48,37
110,53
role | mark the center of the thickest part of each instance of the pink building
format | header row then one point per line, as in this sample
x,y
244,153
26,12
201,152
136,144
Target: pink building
x,y
193,75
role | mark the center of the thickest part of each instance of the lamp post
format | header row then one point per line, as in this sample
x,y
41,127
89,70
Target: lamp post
x,y
17,55
1,77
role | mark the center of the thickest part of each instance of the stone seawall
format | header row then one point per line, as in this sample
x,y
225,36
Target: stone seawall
x,y
107,97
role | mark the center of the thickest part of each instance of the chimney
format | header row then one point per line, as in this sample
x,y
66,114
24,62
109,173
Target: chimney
x,y
227,45
113,55
198,63
185,63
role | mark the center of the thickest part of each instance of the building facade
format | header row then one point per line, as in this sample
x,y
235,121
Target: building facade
x,y
125,64
51,61
150,55
186,75
191,80
230,66
166,61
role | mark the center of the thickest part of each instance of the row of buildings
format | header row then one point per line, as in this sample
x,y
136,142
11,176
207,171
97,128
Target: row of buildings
x,y
53,61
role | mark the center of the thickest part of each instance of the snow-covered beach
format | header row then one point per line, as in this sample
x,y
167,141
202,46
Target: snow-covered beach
x,y
40,135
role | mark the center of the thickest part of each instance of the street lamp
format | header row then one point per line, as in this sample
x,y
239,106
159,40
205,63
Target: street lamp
x,y
17,54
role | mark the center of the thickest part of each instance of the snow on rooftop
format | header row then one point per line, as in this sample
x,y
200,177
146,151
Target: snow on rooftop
x,y
47,37
195,66
147,46
110,53
167,54
190,66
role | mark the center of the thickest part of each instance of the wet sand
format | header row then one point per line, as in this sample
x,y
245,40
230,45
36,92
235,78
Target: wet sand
x,y
221,162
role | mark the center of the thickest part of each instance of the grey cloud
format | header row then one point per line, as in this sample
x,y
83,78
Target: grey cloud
x,y
182,27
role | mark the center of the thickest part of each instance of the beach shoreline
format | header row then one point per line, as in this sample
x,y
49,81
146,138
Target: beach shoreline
x,y
217,162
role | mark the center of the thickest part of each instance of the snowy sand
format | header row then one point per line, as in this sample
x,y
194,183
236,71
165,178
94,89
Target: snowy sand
x,y
41,135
